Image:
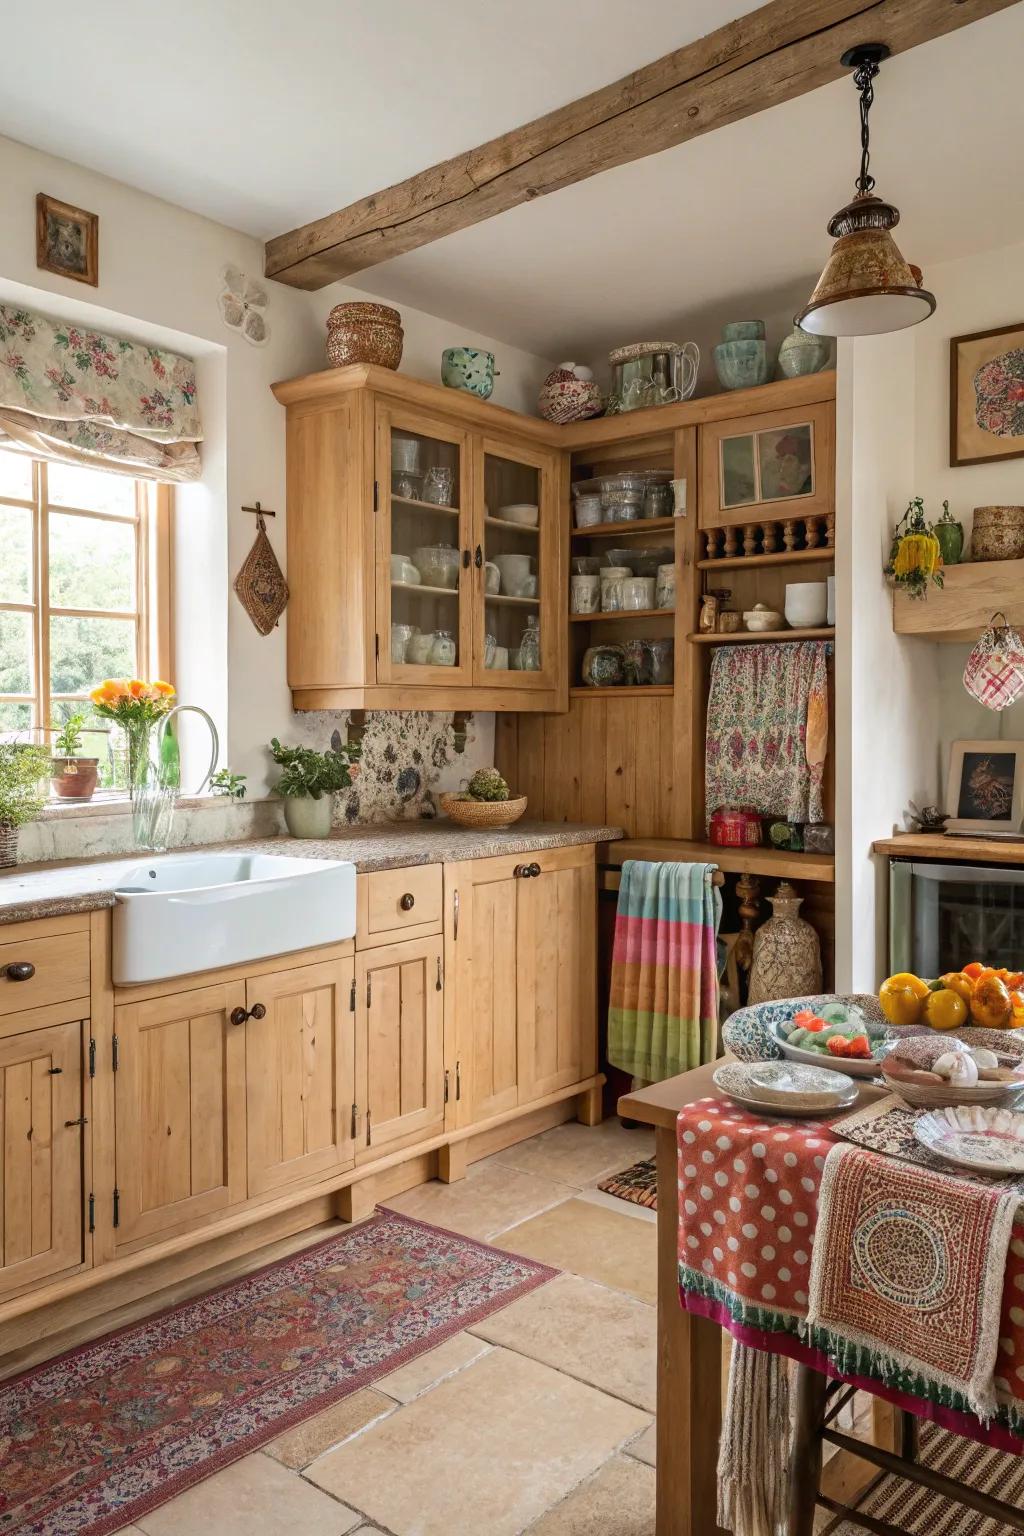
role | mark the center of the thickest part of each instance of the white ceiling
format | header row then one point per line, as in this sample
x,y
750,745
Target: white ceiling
x,y
264,116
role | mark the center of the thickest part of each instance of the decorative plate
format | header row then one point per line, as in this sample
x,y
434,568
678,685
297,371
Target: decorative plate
x,y
983,1140
777,1087
870,1067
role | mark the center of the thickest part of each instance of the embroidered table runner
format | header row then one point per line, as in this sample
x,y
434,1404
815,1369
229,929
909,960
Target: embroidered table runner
x,y
748,1213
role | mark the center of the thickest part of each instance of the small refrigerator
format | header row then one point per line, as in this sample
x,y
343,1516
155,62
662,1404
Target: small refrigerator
x,y
942,916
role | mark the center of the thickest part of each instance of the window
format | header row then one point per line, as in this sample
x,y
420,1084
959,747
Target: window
x,y
84,589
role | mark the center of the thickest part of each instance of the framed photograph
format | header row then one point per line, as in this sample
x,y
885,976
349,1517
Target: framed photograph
x,y
67,240
986,395
985,791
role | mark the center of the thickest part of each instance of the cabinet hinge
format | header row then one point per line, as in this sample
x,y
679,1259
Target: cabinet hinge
x,y
92,1211
115,1052
376,496
352,998
92,1057
447,1075
458,1081
117,1207
355,1111
369,1131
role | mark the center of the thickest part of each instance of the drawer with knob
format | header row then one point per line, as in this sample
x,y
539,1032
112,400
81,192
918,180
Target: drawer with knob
x,y
40,968
397,904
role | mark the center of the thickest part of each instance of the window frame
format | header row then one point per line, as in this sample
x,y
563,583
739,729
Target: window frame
x,y
151,611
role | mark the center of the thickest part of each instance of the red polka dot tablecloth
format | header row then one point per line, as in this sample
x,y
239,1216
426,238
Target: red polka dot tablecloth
x,y
748,1209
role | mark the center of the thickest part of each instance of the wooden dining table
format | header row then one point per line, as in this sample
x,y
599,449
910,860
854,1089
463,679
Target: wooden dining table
x,y
690,1347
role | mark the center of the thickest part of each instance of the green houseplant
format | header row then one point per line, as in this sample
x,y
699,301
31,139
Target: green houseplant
x,y
72,776
308,782
23,773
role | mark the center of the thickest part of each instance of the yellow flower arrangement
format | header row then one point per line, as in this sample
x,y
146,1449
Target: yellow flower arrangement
x,y
130,701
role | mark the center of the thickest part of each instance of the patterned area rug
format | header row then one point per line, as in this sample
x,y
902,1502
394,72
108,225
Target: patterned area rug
x,y
915,1509
100,1436
638,1185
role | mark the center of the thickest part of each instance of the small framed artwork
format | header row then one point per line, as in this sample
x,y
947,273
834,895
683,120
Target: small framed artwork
x,y
67,240
985,790
986,395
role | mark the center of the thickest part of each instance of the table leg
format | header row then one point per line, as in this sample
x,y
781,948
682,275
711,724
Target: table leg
x,y
689,1382
805,1461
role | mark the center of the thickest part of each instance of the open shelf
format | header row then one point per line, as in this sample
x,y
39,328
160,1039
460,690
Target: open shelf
x,y
634,525
503,522
750,636
778,862
641,691
784,557
621,613
424,506
962,607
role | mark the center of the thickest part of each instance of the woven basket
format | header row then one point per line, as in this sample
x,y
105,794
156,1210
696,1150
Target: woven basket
x,y
483,813
921,1096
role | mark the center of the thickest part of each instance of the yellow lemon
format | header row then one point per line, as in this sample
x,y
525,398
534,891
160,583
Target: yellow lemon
x,y
901,1004
945,1010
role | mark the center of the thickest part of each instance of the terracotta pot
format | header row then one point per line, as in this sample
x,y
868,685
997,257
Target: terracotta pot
x,y
74,778
998,533
364,333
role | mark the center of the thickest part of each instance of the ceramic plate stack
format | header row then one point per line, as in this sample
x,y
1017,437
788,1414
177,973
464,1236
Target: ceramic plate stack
x,y
786,1088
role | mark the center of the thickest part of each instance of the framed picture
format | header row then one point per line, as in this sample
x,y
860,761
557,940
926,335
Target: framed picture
x,y
986,395
67,240
985,791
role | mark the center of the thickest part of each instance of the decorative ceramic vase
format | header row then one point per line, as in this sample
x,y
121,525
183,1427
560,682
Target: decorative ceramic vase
x,y
950,535
364,333
470,369
306,817
569,394
787,955
806,604
802,353
742,364
743,330
998,533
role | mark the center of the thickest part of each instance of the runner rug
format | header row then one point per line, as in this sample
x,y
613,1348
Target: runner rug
x,y
97,1438
638,1184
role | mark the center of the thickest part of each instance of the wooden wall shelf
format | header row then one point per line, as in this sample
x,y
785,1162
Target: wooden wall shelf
x,y
951,850
642,691
622,613
632,526
734,861
961,608
751,562
749,636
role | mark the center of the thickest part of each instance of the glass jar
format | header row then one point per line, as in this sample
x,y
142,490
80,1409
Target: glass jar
x,y
612,577
442,652
529,646
661,661
665,589
438,486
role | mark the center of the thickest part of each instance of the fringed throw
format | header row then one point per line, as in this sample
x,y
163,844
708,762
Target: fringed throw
x,y
753,1453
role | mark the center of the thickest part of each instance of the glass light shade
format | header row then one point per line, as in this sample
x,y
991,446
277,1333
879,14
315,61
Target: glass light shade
x,y
867,287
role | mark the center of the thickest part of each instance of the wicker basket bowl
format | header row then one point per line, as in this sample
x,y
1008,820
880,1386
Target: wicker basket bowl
x,y
483,813
922,1096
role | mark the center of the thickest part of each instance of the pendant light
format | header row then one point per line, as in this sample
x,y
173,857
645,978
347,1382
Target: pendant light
x,y
866,287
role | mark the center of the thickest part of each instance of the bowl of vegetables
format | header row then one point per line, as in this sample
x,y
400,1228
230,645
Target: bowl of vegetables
x,y
838,1035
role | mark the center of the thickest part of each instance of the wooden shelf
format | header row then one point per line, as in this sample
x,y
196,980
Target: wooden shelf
x,y
424,506
961,608
622,613
417,586
749,636
633,526
642,691
503,522
951,850
786,557
777,862
513,602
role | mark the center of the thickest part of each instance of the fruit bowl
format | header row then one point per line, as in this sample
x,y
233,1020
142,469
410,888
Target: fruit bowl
x,y
483,813
911,1060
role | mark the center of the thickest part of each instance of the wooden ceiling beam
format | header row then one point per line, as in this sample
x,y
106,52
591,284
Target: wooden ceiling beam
x,y
772,55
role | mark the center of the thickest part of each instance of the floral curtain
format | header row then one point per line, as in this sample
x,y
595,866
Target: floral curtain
x,y
68,392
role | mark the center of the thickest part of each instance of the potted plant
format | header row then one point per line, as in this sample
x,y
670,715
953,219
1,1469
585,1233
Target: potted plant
x,y
72,777
23,772
308,782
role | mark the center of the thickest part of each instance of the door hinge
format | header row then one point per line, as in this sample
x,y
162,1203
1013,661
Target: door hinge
x,y
376,496
352,997
447,1076
355,1116
117,1207
458,1081
369,990
369,1130
92,1057
115,1052
92,1211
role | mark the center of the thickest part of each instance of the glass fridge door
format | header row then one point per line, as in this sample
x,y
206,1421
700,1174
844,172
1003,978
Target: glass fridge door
x,y
942,916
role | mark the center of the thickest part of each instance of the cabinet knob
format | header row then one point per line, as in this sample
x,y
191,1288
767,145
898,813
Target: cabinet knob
x,y
533,870
521,872
407,902
239,1015
19,970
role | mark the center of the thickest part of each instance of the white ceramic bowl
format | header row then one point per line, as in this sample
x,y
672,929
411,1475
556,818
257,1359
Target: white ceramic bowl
x,y
806,604
760,618
523,512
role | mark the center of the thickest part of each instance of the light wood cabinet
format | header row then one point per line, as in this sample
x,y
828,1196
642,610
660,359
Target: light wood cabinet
x,y
41,1114
400,1042
521,952
380,468
179,1107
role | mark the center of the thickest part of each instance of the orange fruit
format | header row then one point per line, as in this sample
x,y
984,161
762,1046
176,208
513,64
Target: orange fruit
x,y
973,970
958,982
1016,1010
901,1002
990,1003
945,1010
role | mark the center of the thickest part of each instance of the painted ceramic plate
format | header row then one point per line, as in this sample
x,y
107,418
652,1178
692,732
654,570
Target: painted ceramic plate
x,y
983,1140
845,1065
784,1088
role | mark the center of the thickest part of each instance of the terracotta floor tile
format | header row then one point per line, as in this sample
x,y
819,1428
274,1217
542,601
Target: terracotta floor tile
x,y
617,1501
488,1450
600,1336
427,1370
253,1497
578,1154
599,1244
489,1199
645,1446
299,1446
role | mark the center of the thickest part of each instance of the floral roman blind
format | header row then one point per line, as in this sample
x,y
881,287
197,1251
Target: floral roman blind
x,y
67,392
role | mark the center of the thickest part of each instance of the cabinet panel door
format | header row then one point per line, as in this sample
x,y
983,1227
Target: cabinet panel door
x,y
41,1188
484,955
179,1106
555,930
300,1075
400,1034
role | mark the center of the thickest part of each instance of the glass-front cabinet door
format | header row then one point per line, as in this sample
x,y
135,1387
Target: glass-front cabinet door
x,y
424,539
515,559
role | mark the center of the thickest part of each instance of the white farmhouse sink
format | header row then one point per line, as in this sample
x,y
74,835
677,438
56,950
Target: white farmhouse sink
x,y
195,911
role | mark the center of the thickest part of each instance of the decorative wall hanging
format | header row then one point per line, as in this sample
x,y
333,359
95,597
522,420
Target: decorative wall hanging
x,y
260,584
67,240
994,673
243,305
986,395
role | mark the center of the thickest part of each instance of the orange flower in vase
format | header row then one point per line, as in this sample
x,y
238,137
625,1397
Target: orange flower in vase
x,y
135,706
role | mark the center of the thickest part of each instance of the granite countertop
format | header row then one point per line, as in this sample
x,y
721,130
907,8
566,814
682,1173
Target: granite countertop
x,y
53,889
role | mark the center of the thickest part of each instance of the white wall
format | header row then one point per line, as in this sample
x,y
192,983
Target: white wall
x,y
159,280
